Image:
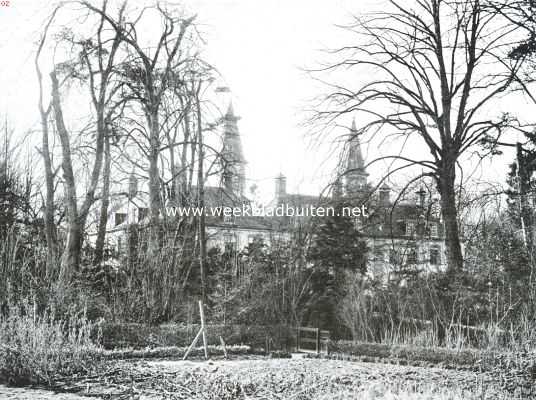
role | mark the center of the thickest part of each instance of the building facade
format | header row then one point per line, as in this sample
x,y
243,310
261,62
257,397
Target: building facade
x,y
401,235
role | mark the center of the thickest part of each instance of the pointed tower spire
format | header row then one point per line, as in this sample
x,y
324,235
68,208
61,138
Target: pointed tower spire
x,y
356,174
230,111
355,155
233,157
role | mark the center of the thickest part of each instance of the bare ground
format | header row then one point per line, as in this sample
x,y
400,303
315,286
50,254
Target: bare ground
x,y
269,379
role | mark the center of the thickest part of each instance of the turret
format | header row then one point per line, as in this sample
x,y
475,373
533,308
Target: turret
x,y
385,195
234,175
421,193
356,174
280,186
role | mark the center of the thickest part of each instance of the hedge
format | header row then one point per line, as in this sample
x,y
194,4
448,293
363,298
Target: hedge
x,y
141,336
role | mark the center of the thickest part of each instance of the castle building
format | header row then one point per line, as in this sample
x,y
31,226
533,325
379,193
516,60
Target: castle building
x,y
407,235
403,237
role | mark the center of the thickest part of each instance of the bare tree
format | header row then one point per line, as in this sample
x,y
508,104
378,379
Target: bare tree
x,y
147,73
45,151
94,65
430,74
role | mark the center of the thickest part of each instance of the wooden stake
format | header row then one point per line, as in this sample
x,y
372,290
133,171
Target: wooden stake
x,y
193,343
224,349
202,314
199,334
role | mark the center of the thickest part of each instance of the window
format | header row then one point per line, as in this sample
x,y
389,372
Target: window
x,y
143,212
229,241
257,238
120,218
435,258
410,228
378,254
401,227
433,230
412,255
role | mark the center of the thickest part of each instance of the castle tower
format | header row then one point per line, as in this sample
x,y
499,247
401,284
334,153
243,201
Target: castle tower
x,y
356,174
234,175
280,186
385,195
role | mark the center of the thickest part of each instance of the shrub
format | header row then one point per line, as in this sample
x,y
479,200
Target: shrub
x,y
280,354
37,349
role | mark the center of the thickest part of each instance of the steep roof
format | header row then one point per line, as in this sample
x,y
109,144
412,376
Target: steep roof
x,y
355,159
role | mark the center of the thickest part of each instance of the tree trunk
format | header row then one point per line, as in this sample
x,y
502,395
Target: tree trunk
x,y
50,227
70,259
154,178
201,203
103,218
447,190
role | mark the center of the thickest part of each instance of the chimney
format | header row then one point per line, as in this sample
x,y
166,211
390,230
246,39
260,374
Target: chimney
x,y
422,196
385,195
280,186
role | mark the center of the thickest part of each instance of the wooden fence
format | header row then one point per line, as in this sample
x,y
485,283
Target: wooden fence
x,y
311,340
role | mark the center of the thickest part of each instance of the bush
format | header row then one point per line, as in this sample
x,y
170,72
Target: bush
x,y
280,354
37,349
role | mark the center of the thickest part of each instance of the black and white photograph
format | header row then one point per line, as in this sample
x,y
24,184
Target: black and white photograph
x,y
268,199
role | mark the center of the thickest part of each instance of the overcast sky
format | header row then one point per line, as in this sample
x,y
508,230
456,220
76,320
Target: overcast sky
x,y
259,48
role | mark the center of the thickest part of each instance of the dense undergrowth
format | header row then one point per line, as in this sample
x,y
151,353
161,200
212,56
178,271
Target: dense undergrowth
x,y
37,348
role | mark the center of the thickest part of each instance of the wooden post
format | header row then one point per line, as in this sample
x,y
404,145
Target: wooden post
x,y
224,349
202,314
317,340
